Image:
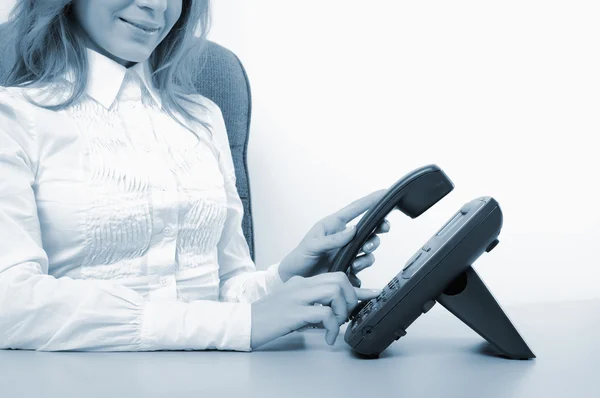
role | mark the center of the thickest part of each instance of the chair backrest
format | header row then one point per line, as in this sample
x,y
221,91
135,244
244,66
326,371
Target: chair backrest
x,y
222,78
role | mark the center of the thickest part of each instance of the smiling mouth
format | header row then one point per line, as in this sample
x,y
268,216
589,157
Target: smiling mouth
x,y
141,27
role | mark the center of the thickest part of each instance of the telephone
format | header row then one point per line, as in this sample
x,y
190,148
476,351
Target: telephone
x,y
440,271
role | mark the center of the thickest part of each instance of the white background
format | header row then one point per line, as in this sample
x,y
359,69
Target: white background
x,y
349,96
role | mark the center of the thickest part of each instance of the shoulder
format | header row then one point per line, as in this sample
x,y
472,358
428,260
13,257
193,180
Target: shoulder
x,y
17,131
12,96
205,108
25,98
14,106
208,111
22,119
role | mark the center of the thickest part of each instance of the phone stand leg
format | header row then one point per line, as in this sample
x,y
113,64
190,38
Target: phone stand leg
x,y
469,299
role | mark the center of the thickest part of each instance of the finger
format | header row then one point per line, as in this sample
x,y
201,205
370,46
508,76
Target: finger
x,y
383,227
354,281
337,278
340,239
335,241
356,208
366,294
324,314
330,295
371,244
362,262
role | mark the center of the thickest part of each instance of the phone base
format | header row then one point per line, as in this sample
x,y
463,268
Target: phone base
x,y
469,299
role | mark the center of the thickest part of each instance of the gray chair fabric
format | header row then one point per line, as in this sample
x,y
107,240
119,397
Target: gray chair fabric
x,y
221,78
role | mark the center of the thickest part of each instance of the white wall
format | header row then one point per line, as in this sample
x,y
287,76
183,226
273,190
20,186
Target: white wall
x,y
504,96
5,7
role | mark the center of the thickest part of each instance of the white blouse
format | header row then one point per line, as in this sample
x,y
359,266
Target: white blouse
x,y
116,233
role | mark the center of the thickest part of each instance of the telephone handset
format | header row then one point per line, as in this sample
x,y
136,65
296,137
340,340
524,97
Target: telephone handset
x,y
440,271
412,194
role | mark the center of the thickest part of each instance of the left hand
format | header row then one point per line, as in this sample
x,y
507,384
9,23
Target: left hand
x,y
318,248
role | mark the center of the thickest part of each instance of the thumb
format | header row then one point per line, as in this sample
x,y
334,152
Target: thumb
x,y
337,240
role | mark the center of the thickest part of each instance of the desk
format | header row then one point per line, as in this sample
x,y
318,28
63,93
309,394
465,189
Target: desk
x,y
439,357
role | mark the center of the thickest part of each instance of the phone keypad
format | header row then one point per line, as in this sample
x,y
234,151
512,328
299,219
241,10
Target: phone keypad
x,y
394,283
363,310
383,296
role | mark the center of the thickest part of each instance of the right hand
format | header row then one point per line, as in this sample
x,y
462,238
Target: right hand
x,y
291,307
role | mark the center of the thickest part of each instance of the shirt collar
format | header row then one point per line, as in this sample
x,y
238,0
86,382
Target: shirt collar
x,y
105,78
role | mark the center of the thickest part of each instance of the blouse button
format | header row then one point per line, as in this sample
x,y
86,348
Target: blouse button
x,y
168,232
147,148
163,281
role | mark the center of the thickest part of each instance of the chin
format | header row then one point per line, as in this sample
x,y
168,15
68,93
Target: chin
x,y
133,54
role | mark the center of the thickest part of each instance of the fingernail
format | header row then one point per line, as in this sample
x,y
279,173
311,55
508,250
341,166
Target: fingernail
x,y
369,246
349,229
376,291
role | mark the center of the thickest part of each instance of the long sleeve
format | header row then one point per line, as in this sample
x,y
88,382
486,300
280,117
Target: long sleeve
x,y
240,280
41,312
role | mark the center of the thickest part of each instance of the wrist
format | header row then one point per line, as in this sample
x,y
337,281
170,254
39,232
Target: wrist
x,y
286,267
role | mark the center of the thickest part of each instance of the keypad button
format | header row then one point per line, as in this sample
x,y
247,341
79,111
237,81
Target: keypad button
x,y
357,309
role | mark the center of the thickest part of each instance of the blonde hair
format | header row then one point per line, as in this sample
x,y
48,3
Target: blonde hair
x,y
44,37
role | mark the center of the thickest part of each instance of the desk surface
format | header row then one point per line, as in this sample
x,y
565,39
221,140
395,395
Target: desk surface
x,y
439,357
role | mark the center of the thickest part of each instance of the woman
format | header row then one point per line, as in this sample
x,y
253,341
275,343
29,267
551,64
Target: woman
x,y
120,222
